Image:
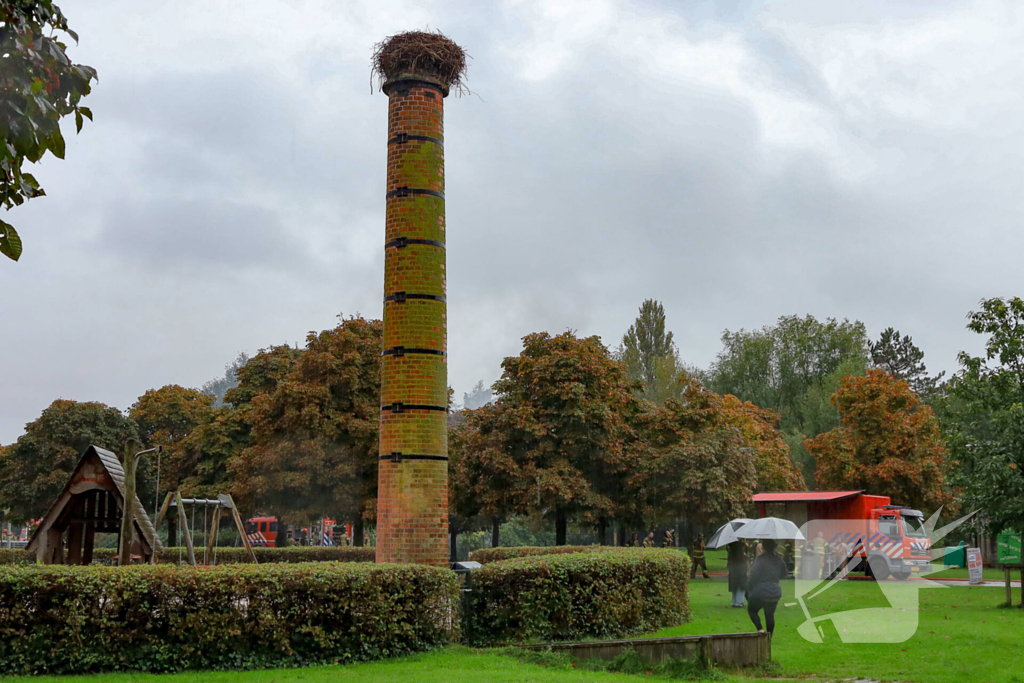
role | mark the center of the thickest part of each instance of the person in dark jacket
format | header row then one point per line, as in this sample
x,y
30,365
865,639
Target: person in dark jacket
x,y
737,571
763,589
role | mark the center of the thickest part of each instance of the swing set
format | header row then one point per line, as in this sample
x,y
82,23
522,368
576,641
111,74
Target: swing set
x,y
221,502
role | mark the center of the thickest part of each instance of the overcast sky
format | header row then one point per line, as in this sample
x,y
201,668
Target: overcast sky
x,y
738,161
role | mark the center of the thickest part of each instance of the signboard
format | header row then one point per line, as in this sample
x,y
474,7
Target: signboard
x,y
974,566
1008,548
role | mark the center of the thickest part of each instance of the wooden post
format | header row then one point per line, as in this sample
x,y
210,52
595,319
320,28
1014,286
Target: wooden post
x,y
185,533
76,534
163,511
241,529
124,555
88,543
54,547
211,538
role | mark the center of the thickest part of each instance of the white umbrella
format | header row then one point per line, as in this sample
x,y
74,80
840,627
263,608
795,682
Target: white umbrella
x,y
770,527
726,534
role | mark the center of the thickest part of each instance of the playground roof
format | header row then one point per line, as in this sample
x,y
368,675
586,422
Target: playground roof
x,y
113,468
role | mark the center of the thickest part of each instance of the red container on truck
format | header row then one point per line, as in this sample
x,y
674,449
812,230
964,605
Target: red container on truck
x,y
884,539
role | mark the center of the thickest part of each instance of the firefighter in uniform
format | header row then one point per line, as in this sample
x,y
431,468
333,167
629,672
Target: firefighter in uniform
x,y
669,542
649,540
697,557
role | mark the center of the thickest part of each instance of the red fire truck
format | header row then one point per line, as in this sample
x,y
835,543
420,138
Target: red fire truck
x,y
884,539
262,531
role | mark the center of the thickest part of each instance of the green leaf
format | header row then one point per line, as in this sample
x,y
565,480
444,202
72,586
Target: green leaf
x,y
57,144
86,112
10,243
78,121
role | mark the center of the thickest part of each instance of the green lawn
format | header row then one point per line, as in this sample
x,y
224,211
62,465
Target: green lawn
x,y
963,637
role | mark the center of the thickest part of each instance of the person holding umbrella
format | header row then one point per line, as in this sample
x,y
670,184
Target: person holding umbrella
x,y
763,588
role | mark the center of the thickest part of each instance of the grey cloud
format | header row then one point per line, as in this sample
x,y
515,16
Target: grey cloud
x,y
171,231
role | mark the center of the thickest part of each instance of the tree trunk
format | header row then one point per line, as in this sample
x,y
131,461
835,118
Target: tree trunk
x,y
357,532
602,531
560,525
495,532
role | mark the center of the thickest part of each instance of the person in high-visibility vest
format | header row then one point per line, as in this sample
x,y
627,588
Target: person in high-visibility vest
x,y
697,557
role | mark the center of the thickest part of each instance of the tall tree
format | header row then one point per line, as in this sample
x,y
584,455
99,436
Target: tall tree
x,y
984,415
887,443
229,380
650,355
792,368
314,440
38,465
478,397
167,417
566,406
39,87
902,359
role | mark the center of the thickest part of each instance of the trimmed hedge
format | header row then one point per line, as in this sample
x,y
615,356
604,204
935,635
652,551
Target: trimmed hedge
x,y
579,596
291,554
71,620
486,555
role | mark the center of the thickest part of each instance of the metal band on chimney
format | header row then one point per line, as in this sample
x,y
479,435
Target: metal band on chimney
x,y
397,456
402,242
399,351
399,407
402,297
405,137
404,191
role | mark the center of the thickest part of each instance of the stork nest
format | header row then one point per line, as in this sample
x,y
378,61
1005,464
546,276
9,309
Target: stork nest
x,y
432,55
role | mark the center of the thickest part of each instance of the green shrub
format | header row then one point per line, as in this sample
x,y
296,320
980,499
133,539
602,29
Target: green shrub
x,y
63,619
486,555
579,596
291,554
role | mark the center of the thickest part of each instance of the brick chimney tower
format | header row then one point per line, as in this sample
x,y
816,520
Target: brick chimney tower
x,y
417,70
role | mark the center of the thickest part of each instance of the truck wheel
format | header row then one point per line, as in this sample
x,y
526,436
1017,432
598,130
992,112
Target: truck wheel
x,y
901,576
879,568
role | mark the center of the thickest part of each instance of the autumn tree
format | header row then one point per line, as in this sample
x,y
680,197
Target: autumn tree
x,y
167,417
487,484
38,465
566,406
758,429
902,359
984,415
40,86
315,436
887,443
695,463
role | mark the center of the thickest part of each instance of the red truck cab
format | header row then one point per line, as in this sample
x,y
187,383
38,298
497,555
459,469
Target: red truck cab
x,y
884,539
262,531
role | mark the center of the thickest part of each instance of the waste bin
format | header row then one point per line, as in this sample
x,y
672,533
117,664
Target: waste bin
x,y
956,556
465,571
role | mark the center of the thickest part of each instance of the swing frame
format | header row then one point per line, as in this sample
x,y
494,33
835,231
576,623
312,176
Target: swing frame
x,y
223,501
